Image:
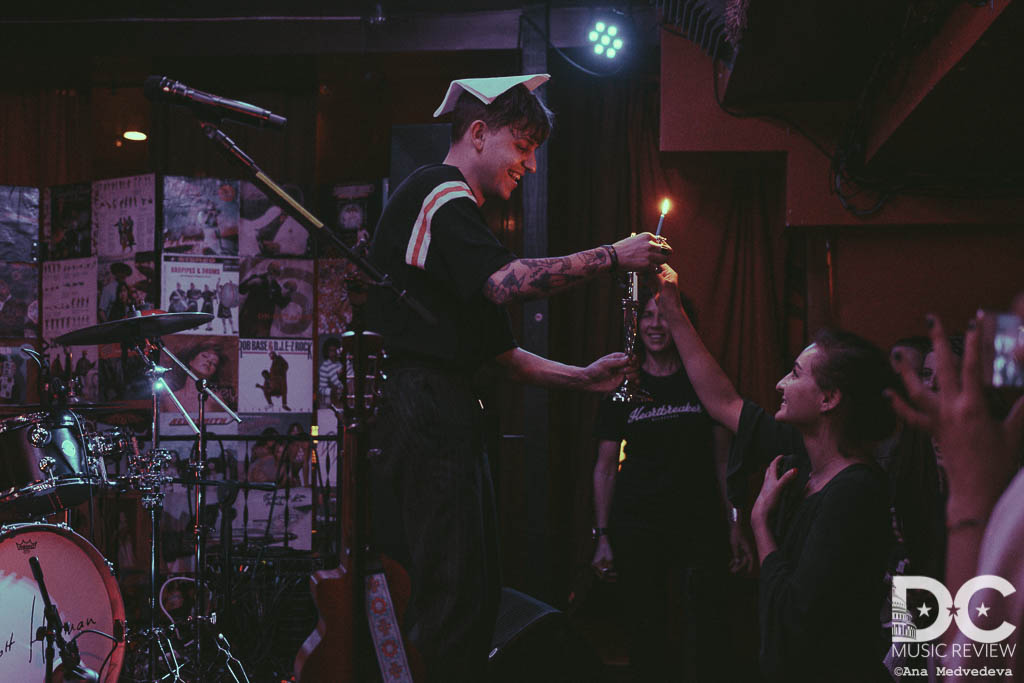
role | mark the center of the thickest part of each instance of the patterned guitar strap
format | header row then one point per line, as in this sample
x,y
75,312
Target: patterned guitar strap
x,y
387,637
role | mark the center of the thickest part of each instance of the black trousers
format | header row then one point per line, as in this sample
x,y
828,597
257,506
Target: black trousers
x,y
673,595
433,509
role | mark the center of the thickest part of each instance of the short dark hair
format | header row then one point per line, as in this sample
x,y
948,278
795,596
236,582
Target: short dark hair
x,y
860,371
517,108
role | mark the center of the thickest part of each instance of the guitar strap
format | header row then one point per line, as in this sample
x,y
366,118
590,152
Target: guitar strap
x,y
387,637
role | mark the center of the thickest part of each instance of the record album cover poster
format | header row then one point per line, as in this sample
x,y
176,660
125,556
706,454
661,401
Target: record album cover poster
x,y
276,375
19,223
351,212
265,230
122,375
125,283
67,221
277,518
203,284
214,359
19,300
334,310
18,375
79,367
276,298
223,458
69,296
124,215
200,216
271,458
326,466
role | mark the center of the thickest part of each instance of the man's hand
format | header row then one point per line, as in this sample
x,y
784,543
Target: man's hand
x,y
608,372
642,252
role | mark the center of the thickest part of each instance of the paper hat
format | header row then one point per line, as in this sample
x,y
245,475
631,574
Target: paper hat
x,y
486,89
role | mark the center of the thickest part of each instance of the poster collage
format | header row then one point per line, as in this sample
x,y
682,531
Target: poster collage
x,y
77,255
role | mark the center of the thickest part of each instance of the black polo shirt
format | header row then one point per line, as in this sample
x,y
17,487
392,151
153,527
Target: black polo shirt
x,y
433,240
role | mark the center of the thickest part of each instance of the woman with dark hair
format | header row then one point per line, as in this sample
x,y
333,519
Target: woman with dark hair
x,y
660,515
821,521
206,360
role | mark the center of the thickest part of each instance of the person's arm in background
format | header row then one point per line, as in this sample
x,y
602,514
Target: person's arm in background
x,y
740,543
714,388
980,453
605,469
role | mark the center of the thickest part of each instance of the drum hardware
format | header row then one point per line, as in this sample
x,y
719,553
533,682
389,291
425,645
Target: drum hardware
x,y
197,465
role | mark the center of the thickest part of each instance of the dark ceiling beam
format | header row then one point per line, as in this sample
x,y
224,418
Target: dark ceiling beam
x,y
274,35
919,76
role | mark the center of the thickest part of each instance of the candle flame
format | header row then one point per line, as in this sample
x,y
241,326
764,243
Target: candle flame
x,y
665,206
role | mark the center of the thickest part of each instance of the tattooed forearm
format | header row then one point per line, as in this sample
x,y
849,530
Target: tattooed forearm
x,y
525,279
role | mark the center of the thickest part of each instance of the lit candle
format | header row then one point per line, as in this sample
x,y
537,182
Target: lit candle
x,y
665,205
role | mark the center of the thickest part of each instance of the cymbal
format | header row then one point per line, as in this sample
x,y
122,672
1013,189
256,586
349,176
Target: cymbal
x,y
132,329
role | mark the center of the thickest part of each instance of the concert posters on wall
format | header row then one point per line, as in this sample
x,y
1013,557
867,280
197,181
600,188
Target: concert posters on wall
x,y
69,296
66,212
271,459
204,284
276,298
19,223
124,216
351,211
278,375
200,216
334,311
79,367
214,359
122,375
17,376
19,300
264,230
124,283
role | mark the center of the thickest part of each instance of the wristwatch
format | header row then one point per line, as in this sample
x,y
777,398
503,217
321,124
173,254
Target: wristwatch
x,y
598,531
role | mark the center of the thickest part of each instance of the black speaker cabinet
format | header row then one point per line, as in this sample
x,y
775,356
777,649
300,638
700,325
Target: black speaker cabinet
x,y
533,642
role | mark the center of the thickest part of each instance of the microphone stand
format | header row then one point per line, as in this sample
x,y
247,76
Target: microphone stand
x,y
196,467
70,659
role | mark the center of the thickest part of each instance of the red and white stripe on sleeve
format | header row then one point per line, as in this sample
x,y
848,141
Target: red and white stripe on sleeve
x,y
419,240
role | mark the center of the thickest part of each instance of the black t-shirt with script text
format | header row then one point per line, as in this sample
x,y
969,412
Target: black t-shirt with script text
x,y
668,478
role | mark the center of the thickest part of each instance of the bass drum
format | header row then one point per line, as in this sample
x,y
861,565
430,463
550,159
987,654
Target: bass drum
x,y
80,583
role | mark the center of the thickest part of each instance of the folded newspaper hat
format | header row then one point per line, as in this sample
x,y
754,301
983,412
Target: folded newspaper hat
x,y
486,89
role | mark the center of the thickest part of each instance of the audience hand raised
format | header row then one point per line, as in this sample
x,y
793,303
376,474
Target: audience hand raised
x,y
979,452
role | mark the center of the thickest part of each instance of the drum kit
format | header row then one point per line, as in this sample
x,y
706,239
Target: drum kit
x,y
62,616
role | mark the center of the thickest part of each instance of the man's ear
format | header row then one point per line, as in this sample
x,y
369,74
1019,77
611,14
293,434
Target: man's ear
x,y
476,134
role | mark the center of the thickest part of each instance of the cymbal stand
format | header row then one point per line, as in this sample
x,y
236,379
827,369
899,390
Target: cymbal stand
x,y
196,467
147,476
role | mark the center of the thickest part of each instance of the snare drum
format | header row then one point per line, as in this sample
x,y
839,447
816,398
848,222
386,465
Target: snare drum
x,y
45,464
81,585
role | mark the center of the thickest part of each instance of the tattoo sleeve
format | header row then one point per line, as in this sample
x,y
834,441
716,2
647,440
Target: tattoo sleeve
x,y
536,278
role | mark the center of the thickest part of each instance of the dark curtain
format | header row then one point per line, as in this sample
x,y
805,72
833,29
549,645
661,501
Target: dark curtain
x,y
726,227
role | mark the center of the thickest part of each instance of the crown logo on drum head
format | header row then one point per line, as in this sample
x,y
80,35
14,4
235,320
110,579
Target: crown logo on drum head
x,y
26,546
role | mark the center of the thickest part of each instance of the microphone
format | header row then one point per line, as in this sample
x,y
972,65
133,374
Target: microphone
x,y
163,89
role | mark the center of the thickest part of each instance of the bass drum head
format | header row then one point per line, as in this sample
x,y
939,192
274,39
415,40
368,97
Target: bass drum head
x,y
80,584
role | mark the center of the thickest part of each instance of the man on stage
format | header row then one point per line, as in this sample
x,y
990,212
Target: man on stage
x,y
433,240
